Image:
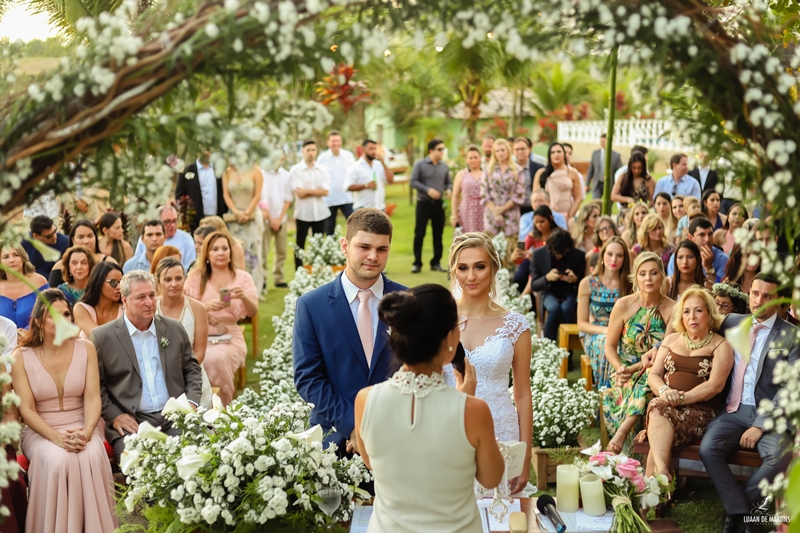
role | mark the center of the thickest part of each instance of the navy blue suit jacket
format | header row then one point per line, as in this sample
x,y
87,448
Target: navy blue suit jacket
x,y
330,366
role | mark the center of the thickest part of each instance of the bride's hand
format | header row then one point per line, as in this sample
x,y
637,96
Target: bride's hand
x,y
466,383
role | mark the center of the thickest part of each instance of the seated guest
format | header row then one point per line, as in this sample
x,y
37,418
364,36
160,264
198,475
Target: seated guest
x,y
215,271
713,259
742,267
687,270
556,270
200,235
604,229
689,373
710,205
174,237
77,265
219,225
82,234
414,426
101,301
43,229
583,226
16,297
133,384
737,216
633,220
636,324
543,226
691,207
112,238
59,389
651,237
597,296
153,238
538,197
662,206
170,277
739,425
162,253
729,298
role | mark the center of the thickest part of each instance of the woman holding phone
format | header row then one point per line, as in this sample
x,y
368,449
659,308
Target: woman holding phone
x,y
228,295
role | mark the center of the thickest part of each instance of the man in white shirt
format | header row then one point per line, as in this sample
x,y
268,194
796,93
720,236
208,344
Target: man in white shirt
x,y
174,236
368,177
336,160
276,197
310,184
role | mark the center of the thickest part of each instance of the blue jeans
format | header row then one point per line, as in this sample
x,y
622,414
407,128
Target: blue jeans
x,y
558,313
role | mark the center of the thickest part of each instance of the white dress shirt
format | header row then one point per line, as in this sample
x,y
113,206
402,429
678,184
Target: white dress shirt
x,y
703,176
351,292
154,386
749,390
208,188
276,190
182,241
337,166
310,208
362,173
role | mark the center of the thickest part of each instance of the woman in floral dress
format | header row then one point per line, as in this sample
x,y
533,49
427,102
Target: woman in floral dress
x,y
242,192
596,298
502,192
467,209
636,324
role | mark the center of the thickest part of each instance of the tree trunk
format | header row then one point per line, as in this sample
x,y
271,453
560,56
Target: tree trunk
x,y
513,117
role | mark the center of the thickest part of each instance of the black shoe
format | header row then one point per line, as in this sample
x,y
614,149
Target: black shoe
x,y
437,268
416,269
281,285
733,524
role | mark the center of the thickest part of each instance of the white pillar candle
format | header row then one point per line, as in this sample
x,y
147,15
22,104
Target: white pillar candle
x,y
567,488
594,501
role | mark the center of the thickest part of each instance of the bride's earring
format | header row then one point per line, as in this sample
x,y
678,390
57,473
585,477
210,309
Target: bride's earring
x,y
450,348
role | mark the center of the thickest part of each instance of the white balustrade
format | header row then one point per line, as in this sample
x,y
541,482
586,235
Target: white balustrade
x,y
650,133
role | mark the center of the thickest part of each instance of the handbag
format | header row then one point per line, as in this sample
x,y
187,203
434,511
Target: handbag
x,y
229,217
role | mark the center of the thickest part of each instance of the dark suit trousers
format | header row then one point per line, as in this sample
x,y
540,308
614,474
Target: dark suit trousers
x,y
722,438
597,190
433,211
330,222
302,233
155,419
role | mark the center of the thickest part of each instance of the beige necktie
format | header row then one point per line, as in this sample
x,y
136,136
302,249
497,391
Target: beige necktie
x,y
365,324
737,386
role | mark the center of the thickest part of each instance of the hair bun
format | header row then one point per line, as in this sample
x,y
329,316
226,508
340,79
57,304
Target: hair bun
x,y
399,310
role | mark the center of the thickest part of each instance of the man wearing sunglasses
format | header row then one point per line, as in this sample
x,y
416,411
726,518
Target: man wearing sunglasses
x,y
679,182
43,230
431,178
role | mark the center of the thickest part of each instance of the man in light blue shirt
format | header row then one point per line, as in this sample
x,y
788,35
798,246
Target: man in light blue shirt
x,y
538,197
679,182
174,237
153,237
714,260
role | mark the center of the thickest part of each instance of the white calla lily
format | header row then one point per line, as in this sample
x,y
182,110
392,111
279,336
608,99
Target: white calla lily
x,y
177,405
212,414
147,431
593,450
128,460
191,464
310,435
739,337
65,329
48,254
603,472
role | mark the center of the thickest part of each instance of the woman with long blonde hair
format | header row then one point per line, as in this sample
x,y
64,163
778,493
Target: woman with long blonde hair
x,y
583,225
502,192
633,220
652,237
495,341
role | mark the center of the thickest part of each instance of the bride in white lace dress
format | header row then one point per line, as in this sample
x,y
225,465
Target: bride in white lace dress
x,y
496,341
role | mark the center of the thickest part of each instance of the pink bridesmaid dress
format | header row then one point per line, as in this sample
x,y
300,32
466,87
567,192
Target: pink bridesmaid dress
x,y
69,492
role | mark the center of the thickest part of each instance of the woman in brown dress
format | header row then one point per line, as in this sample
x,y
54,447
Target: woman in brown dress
x,y
689,373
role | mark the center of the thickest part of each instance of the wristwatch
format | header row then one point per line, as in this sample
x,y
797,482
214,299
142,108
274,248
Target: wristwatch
x,y
711,272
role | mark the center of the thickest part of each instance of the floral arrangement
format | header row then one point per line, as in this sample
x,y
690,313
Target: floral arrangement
x,y
322,250
560,410
9,430
628,491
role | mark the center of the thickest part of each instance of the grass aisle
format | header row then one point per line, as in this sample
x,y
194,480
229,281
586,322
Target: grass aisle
x,y
699,511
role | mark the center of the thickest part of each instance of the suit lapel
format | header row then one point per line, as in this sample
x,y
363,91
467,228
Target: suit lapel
x,y
774,334
127,344
382,333
161,332
341,310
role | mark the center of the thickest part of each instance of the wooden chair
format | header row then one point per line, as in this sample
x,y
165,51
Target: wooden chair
x,y
586,371
241,374
692,453
569,340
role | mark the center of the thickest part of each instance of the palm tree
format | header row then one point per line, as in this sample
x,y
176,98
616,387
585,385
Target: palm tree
x,y
553,88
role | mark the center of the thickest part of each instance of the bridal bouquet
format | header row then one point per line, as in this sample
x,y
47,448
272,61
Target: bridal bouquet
x,y
628,491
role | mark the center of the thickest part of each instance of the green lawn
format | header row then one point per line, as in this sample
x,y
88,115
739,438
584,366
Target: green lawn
x,y
697,510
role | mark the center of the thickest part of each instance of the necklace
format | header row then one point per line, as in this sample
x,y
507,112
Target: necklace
x,y
692,345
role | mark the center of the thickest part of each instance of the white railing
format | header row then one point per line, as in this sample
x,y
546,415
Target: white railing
x,y
651,133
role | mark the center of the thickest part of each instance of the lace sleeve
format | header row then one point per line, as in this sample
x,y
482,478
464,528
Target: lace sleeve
x,y
515,325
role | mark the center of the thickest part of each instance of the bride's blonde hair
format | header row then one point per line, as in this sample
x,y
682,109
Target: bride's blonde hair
x,y
473,239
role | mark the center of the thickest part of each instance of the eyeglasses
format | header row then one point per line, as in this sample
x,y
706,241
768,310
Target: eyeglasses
x,y
113,282
724,305
440,149
49,235
605,229
462,323
170,221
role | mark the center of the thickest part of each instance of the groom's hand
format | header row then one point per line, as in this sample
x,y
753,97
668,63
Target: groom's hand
x,y
125,423
351,446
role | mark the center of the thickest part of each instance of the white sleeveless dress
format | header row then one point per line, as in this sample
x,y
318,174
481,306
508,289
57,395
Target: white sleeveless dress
x,y
187,320
424,469
492,361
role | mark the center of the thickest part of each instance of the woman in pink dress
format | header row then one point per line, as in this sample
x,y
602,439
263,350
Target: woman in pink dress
x,y
71,485
561,181
228,295
467,208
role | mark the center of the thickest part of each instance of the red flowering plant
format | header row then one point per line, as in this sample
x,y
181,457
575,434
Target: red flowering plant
x,y
340,87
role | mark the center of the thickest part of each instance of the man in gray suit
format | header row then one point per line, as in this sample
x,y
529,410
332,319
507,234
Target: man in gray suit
x,y
144,361
597,165
739,425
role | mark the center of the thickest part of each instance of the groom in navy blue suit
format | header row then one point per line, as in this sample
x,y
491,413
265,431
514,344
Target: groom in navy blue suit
x,y
339,344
